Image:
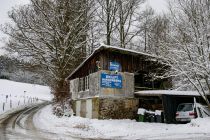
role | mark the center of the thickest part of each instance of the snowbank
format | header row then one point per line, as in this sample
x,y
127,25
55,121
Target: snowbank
x,y
16,88
119,129
15,95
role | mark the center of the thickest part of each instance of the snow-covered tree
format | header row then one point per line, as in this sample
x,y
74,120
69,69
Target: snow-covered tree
x,y
146,21
115,21
50,34
128,15
187,47
159,28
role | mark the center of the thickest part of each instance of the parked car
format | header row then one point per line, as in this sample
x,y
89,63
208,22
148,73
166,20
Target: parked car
x,y
185,112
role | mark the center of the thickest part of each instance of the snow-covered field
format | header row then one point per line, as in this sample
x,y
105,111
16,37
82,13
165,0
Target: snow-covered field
x,y
15,95
119,129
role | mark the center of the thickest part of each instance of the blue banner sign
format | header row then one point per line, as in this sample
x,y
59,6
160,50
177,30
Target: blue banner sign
x,y
114,66
111,81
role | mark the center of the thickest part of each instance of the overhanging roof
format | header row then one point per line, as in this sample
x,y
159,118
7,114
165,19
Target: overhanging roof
x,y
112,48
166,92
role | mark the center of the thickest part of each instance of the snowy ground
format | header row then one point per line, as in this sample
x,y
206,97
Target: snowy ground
x,y
14,95
93,128
119,129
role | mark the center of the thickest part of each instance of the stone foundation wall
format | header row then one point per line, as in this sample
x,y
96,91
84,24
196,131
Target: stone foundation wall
x,y
123,108
107,108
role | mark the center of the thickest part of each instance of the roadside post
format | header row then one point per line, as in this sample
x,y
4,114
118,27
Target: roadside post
x,y
6,98
10,103
3,106
24,96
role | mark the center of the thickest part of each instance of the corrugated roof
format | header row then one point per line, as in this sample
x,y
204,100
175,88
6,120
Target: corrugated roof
x,y
114,48
167,92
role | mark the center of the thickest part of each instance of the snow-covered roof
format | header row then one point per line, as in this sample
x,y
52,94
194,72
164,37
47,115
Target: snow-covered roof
x,y
166,92
114,48
129,51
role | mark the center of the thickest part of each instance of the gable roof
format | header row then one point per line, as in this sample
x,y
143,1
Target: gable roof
x,y
112,48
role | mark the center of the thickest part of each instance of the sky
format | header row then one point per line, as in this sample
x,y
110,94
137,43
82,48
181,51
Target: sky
x,y
159,6
6,5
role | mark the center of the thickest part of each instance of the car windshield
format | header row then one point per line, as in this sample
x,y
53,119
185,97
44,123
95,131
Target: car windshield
x,y
185,107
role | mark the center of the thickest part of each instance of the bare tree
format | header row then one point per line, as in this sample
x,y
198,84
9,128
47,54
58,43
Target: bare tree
x,y
52,34
159,28
116,20
127,18
145,26
105,16
186,49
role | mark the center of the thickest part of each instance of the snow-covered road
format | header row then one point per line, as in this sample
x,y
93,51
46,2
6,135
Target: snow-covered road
x,y
19,126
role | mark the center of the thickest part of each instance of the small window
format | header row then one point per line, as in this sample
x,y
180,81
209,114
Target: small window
x,y
86,82
81,84
185,107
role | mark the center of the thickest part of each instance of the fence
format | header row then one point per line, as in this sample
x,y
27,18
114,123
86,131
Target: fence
x,y
8,102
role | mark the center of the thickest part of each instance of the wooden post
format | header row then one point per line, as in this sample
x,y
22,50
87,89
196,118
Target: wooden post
x,y
6,98
10,103
3,106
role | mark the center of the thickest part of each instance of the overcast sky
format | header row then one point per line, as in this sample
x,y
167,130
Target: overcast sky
x,y
158,5
6,5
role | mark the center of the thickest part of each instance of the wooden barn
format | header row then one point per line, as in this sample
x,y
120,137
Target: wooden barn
x,y
103,85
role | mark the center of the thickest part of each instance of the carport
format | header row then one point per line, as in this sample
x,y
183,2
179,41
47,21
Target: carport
x,y
166,100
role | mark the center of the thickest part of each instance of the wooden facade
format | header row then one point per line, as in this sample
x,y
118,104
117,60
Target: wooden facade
x,y
141,64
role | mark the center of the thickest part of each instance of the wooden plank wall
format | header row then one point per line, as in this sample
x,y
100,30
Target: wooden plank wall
x,y
87,68
129,63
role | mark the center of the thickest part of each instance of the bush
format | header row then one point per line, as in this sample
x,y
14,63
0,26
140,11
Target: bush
x,y
58,111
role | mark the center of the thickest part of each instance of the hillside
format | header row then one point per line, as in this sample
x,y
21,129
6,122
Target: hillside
x,y
15,94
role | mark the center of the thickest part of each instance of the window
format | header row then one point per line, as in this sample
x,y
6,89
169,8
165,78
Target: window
x,y
80,84
86,82
185,107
